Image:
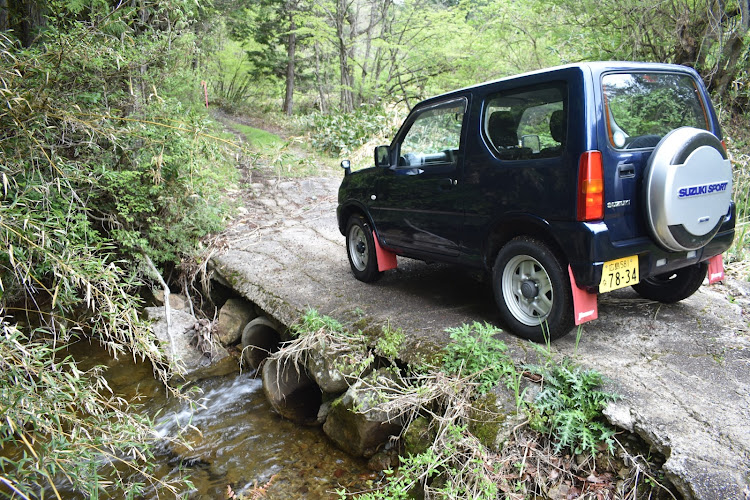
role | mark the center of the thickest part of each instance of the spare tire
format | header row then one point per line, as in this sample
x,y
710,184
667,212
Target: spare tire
x,y
687,189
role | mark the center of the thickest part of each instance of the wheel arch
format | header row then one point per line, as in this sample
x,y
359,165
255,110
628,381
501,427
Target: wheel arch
x,y
504,230
349,209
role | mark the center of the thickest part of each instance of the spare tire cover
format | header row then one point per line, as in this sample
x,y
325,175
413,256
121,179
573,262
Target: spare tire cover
x,y
687,189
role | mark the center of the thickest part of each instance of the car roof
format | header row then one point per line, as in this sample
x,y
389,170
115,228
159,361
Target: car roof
x,y
596,68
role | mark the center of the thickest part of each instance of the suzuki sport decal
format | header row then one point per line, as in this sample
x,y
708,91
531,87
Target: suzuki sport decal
x,y
716,187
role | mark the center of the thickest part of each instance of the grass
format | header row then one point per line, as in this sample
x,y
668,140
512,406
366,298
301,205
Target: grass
x,y
260,139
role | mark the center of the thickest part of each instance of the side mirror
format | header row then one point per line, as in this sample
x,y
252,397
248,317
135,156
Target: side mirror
x,y
347,166
382,156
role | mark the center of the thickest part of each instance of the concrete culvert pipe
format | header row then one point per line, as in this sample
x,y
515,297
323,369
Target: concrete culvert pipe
x,y
259,339
290,391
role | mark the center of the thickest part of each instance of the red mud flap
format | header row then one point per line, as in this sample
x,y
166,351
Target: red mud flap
x,y
386,259
715,269
584,303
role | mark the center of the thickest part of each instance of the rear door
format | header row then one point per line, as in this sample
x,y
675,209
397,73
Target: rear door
x,y
640,107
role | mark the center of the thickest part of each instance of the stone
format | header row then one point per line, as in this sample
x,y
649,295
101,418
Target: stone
x,y
176,301
418,436
356,425
323,411
233,316
333,372
494,418
196,363
384,460
619,416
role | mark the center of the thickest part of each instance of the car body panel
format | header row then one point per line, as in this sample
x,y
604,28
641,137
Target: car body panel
x,y
465,211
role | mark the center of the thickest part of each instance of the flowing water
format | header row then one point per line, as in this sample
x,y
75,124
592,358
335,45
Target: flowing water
x,y
237,441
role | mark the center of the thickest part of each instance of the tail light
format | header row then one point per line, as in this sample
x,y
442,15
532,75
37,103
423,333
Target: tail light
x,y
590,187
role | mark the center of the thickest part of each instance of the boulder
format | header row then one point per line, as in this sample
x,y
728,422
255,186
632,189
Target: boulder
x,y
210,360
333,372
176,301
233,316
355,424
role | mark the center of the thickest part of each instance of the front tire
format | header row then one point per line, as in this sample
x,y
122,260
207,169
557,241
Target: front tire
x,y
532,290
673,286
360,248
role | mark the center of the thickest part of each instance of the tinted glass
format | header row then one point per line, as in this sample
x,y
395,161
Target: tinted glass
x,y
643,107
527,123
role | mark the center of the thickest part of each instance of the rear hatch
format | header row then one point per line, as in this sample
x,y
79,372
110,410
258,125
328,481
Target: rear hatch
x,y
639,107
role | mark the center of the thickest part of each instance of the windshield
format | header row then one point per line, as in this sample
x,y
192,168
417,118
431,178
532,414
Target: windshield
x,y
643,107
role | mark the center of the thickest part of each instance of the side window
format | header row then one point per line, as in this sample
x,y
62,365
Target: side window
x,y
529,123
434,136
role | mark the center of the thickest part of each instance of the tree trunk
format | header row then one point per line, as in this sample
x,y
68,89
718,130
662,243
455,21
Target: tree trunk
x,y
290,50
347,99
31,22
319,81
3,15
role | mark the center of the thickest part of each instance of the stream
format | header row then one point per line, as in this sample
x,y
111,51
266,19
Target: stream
x,y
237,441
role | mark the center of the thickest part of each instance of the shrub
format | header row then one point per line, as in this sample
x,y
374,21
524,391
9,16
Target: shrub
x,y
340,134
477,354
59,422
94,174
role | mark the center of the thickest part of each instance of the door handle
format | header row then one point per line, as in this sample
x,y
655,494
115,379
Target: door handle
x,y
626,171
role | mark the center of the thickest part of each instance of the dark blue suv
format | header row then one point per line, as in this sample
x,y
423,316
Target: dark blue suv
x,y
560,184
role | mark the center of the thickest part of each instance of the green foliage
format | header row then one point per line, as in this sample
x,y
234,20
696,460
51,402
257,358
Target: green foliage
x,y
442,470
312,321
61,422
740,250
93,170
477,354
260,139
569,408
389,343
339,134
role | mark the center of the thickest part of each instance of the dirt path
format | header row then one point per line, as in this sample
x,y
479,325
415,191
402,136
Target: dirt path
x,y
683,370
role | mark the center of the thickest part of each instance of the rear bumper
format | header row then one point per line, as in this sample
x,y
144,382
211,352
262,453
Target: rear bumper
x,y
592,240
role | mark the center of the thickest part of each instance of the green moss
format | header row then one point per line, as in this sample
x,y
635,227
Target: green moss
x,y
486,420
418,438
368,327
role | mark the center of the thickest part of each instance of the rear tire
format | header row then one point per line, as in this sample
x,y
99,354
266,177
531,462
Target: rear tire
x,y
673,286
360,248
532,290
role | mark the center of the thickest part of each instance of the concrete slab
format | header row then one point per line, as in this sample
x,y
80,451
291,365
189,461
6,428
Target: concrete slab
x,y
683,370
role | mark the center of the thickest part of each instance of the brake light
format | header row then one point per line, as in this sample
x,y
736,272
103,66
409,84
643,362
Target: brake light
x,y
590,186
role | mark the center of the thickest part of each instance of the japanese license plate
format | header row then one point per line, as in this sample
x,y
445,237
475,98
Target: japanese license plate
x,y
619,273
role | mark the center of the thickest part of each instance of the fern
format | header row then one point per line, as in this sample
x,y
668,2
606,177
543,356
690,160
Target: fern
x,y
569,407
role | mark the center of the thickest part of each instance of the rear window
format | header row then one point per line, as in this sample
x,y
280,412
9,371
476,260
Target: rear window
x,y
642,108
